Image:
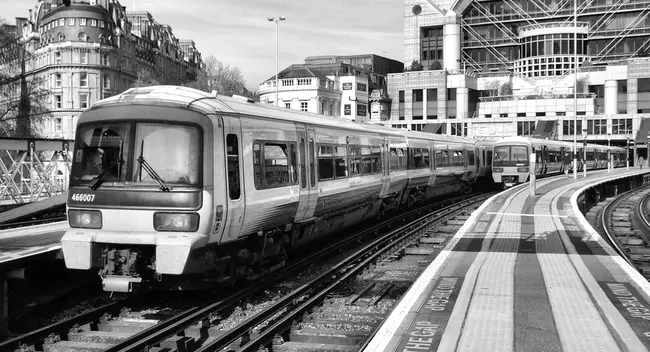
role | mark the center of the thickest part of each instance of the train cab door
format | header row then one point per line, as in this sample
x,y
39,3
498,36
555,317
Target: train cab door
x,y
308,187
236,207
385,168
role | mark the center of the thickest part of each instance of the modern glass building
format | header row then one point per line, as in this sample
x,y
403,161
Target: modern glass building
x,y
490,69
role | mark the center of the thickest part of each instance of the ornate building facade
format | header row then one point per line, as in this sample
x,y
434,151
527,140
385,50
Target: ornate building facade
x,y
88,51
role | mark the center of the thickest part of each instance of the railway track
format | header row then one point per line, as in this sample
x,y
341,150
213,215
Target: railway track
x,y
114,328
624,222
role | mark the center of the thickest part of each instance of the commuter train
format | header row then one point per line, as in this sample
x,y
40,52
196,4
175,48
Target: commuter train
x,y
173,186
511,160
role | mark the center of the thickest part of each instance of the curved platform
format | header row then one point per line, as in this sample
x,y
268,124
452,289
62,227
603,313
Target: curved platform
x,y
18,244
30,209
525,273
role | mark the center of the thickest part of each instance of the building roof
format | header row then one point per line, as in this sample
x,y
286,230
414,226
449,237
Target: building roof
x,y
298,71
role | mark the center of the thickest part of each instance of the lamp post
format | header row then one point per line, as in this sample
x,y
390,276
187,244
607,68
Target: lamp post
x,y
277,45
575,90
627,153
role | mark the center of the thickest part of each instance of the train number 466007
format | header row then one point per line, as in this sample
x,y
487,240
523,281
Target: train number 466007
x,y
81,197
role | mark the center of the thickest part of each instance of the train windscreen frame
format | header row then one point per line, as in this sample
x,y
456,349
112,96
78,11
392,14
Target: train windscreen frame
x,y
510,155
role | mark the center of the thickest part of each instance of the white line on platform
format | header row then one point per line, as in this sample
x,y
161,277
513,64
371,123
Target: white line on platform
x,y
538,215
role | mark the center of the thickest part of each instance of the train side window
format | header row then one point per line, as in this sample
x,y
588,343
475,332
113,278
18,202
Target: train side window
x,y
303,163
257,164
425,159
439,161
340,162
276,165
325,162
312,163
375,152
470,157
366,161
445,158
402,159
294,164
232,152
393,160
355,160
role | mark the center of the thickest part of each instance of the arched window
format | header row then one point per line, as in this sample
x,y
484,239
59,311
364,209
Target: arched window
x,y
82,36
102,40
61,37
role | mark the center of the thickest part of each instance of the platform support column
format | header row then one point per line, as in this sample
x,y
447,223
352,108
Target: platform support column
x,y
532,173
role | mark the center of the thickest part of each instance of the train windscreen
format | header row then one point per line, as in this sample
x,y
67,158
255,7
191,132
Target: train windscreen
x,y
144,152
510,155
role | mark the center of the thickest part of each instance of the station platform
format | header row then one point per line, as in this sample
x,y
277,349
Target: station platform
x,y
24,242
525,273
29,209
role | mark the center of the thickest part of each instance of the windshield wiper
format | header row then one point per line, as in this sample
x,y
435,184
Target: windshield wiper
x,y
152,173
97,181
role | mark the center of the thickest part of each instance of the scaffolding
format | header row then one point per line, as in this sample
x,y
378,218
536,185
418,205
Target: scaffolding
x,y
33,169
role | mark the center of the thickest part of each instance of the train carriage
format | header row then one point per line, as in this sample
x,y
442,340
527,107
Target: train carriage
x,y
170,184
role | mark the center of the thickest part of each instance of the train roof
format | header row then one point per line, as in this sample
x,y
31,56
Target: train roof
x,y
205,103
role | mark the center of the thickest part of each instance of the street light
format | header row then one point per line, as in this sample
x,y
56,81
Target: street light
x,y
575,90
277,44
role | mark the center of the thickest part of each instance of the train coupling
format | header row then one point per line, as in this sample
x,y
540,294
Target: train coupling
x,y
126,284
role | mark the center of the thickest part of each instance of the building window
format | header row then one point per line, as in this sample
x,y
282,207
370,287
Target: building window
x,y
101,24
83,79
83,58
106,82
61,37
83,100
304,81
525,128
82,21
58,101
57,57
303,105
503,114
347,109
71,21
105,60
287,105
57,80
287,82
58,124
93,23
61,22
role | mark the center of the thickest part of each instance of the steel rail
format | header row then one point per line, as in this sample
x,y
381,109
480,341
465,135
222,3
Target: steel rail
x,y
606,212
332,278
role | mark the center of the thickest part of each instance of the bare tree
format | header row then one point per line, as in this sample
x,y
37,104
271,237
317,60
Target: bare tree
x,y
23,96
146,78
219,76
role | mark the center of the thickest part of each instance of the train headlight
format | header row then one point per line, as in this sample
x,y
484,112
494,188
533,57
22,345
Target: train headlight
x,y
497,169
522,169
88,219
181,222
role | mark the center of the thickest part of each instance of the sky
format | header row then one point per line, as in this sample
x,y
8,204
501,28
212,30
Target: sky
x,y
238,33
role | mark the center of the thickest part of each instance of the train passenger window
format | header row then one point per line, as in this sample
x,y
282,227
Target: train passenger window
x,y
366,161
402,159
445,158
232,151
375,152
276,165
426,162
257,164
294,163
312,163
340,162
303,163
325,162
393,159
470,157
438,159
355,160
459,159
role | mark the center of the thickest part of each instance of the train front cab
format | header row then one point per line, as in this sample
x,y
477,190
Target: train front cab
x,y
140,195
510,163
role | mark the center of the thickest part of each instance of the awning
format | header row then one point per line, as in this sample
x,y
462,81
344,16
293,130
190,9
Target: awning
x,y
642,133
438,128
545,129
